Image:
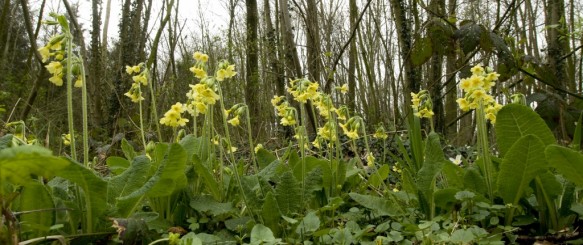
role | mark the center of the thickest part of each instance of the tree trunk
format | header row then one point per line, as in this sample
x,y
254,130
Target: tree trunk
x,y
412,75
252,65
352,58
313,40
434,85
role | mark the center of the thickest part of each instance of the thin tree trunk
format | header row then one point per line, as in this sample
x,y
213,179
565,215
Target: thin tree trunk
x,y
352,58
313,40
252,64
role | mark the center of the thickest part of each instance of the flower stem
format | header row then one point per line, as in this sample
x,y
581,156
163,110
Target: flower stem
x,y
142,119
483,147
250,138
70,94
84,112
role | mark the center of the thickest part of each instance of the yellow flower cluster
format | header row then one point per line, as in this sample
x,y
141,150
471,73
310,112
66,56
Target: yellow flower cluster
x,y
200,97
199,67
173,117
302,90
422,104
140,78
380,133
226,71
237,110
350,128
284,110
476,89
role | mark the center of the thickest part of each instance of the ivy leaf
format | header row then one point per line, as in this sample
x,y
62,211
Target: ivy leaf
x,y
422,51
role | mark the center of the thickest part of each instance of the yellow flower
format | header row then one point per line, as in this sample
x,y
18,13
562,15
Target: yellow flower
x,y
276,99
476,82
316,143
221,75
477,70
198,56
55,67
351,134
79,82
173,116
463,104
141,79
66,139
198,72
370,159
44,53
235,121
288,121
344,88
132,69
465,85
57,79
56,45
491,117
59,56
230,71
204,58
478,94
258,147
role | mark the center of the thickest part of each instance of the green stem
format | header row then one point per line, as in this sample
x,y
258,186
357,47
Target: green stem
x,y
142,118
84,112
484,148
250,138
154,110
70,94
303,134
231,155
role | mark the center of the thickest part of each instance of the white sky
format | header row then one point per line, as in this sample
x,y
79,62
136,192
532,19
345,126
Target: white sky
x,y
213,12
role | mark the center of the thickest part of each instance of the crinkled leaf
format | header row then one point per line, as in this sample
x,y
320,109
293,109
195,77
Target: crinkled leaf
x,y
515,121
117,164
288,194
567,162
208,204
382,206
126,183
18,164
523,161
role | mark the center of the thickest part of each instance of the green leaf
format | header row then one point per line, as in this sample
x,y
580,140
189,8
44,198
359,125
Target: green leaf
x,y
515,121
18,164
37,198
427,175
208,204
94,190
473,180
6,141
567,162
209,180
117,164
128,150
524,161
422,51
309,224
260,234
265,158
126,183
168,176
171,172
270,213
379,176
288,194
381,206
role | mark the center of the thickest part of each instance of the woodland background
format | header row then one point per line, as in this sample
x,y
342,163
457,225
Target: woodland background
x,y
383,50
